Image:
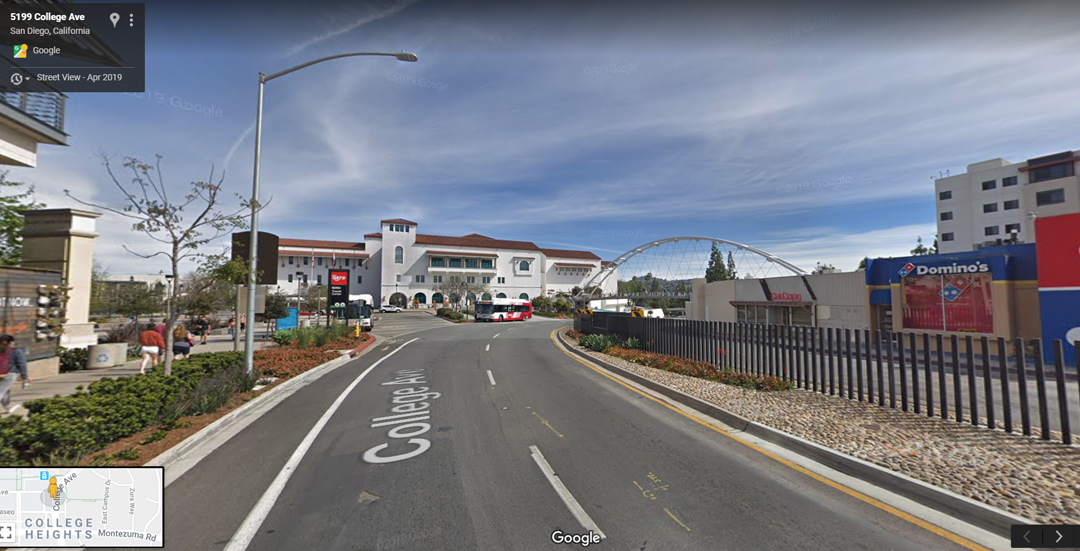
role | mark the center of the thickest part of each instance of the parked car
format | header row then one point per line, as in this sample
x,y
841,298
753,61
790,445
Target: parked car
x,y
389,308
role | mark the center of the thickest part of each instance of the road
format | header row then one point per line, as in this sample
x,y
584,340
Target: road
x,y
521,440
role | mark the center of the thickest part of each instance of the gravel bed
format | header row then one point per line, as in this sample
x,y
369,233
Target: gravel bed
x,y
1034,479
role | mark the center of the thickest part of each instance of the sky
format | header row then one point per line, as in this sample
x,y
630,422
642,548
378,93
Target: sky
x,y
812,132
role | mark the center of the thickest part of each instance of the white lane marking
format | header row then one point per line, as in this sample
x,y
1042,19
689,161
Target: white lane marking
x,y
571,503
243,536
487,348
496,335
491,378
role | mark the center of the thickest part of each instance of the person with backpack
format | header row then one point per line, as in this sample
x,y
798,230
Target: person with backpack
x,y
12,363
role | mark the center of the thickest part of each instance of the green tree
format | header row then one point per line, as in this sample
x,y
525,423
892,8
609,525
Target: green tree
x,y
183,224
101,300
542,303
922,250
314,298
12,208
277,307
717,270
862,265
732,273
822,268
135,299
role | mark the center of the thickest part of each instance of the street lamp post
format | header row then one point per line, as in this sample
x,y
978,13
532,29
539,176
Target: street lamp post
x,y
249,336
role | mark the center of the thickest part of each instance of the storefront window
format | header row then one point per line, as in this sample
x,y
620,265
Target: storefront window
x,y
955,303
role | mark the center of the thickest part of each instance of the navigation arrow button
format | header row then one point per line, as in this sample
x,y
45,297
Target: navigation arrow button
x,y
1026,536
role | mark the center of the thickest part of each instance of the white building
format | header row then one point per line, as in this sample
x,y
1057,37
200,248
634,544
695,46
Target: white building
x,y
399,265
995,199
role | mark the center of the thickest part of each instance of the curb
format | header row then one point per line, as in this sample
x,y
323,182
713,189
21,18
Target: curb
x,y
176,452
983,516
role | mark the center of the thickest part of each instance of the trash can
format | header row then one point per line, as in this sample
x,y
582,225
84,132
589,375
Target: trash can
x,y
101,356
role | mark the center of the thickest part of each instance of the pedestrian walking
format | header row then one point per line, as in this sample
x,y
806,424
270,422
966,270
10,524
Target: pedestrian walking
x,y
182,342
243,322
152,347
232,325
12,363
202,329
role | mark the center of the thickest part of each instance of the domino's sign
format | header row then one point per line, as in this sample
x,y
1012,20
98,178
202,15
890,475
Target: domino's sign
x,y
955,268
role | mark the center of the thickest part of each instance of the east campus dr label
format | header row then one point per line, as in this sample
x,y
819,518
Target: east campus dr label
x,y
61,47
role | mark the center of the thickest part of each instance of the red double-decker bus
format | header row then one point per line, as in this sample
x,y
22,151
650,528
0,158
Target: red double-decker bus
x,y
503,309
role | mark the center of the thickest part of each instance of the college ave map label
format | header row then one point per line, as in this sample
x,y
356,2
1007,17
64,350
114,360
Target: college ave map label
x,y
81,506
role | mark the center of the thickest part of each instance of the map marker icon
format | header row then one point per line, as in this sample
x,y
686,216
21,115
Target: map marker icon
x,y
114,18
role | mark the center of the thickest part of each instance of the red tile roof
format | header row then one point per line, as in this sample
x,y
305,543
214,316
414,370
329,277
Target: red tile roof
x,y
568,265
605,262
398,221
562,253
459,253
475,242
477,236
318,244
326,254
375,235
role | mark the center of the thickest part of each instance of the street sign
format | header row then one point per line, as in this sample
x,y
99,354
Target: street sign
x,y
338,297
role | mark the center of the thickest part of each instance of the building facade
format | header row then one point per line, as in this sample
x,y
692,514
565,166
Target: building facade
x,y
397,265
996,202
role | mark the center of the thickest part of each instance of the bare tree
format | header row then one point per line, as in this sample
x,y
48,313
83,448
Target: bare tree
x,y
182,225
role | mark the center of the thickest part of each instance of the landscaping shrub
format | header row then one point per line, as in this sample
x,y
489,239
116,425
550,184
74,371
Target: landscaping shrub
x,y
73,359
578,335
449,314
699,369
109,410
599,343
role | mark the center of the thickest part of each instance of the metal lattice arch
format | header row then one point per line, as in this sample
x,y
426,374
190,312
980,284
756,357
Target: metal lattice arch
x,y
753,262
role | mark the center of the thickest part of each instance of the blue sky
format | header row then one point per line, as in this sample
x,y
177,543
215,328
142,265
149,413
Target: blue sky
x,y
811,132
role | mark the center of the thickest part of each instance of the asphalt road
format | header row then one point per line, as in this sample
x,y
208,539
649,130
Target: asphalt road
x,y
467,472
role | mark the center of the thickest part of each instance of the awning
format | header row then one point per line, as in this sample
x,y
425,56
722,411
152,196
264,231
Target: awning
x,y
771,303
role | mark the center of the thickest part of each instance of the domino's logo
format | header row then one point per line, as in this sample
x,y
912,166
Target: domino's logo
x,y
907,269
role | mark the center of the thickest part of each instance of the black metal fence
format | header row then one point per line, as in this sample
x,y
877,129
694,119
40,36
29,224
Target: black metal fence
x,y
978,380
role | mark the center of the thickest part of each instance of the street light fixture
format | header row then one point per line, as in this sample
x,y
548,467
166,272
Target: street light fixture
x,y
249,335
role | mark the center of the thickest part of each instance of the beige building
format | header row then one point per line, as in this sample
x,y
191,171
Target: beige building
x,y
822,300
996,200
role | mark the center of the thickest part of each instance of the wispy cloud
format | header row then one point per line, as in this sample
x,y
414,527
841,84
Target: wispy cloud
x,y
368,15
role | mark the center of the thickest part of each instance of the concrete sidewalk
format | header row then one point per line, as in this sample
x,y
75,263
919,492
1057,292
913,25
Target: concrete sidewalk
x,y
67,383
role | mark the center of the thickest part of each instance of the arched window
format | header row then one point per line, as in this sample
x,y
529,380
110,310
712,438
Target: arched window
x,y
501,295
420,298
487,296
437,298
524,266
399,255
524,296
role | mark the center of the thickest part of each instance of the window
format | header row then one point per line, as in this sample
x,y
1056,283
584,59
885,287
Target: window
x,y
455,279
455,262
1008,181
291,259
1012,205
306,261
346,262
1009,228
399,255
406,229
502,280
471,263
991,230
990,207
290,278
947,236
1050,197
418,279
989,184
318,279
487,279
436,279
523,266
944,195
399,278
318,261
359,280
471,279
1052,172
486,264
438,262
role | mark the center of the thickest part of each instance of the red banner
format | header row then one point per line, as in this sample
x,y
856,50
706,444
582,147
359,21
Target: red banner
x,y
1058,246
960,303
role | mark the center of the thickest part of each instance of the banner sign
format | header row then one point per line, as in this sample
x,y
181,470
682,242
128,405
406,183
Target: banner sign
x,y
339,289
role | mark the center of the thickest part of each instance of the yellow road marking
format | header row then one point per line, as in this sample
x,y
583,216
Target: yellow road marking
x,y
959,540
548,425
676,519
